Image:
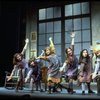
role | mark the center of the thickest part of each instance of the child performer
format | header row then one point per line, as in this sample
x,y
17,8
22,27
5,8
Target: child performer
x,y
96,73
34,74
53,68
85,71
70,66
20,65
97,64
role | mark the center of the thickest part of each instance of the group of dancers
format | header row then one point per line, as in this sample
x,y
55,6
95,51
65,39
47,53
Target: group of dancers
x,y
73,68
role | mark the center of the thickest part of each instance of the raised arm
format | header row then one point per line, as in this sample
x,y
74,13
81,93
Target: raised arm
x,y
72,40
25,47
52,45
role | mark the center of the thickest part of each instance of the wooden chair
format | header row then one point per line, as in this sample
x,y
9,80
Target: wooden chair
x,y
11,84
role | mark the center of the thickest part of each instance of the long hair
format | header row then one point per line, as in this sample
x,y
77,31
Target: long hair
x,y
96,54
46,49
68,58
15,60
87,58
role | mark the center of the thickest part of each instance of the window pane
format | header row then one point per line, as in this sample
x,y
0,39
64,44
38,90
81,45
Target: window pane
x,y
49,13
47,40
42,28
42,14
42,39
67,46
76,9
57,12
58,50
57,38
49,27
67,37
59,57
77,56
77,24
86,35
40,49
57,26
85,8
68,10
86,46
85,23
68,25
77,48
78,36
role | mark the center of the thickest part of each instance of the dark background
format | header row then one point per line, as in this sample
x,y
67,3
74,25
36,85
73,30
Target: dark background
x,y
12,20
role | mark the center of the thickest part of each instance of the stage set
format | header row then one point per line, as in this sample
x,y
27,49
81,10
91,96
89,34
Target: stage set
x,y
9,92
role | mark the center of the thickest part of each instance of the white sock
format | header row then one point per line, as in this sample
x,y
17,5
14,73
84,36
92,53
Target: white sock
x,y
83,86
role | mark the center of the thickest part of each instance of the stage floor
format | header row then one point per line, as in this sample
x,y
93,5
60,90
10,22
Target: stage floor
x,y
26,94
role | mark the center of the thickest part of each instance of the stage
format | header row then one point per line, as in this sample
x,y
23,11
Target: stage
x,y
27,94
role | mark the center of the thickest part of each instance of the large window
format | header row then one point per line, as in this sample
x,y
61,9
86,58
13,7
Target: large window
x,y
58,22
77,19
49,26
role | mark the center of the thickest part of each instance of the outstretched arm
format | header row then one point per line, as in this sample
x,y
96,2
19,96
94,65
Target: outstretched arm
x,y
62,69
12,73
42,53
44,58
91,52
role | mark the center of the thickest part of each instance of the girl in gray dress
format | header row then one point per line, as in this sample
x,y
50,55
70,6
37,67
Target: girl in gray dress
x,y
53,68
70,66
20,67
85,71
